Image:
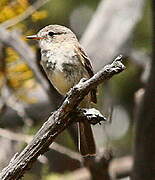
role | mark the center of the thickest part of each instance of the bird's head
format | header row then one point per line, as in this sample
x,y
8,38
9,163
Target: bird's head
x,y
52,34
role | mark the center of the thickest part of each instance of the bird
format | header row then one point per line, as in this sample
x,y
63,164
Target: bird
x,y
65,63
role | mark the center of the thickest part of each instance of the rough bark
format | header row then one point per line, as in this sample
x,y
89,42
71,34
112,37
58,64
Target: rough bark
x,y
57,122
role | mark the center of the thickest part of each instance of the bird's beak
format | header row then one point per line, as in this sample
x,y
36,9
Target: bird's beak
x,y
35,37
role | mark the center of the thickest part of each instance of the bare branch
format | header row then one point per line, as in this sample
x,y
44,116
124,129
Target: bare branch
x,y
27,139
78,174
11,101
58,121
63,150
15,136
13,39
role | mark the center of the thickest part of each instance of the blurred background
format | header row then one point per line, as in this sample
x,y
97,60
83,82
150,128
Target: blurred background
x,y
105,28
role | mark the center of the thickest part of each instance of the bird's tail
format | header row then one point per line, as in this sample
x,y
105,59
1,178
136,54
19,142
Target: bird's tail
x,y
86,140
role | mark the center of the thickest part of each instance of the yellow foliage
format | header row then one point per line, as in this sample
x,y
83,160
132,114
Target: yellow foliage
x,y
23,2
21,67
39,15
11,55
30,83
27,99
12,9
19,75
3,3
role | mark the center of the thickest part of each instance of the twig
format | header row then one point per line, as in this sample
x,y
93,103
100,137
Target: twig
x,y
13,39
27,139
78,174
30,10
57,122
11,101
22,48
63,150
15,136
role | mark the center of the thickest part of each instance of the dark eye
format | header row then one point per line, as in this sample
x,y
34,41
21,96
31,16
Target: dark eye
x,y
51,33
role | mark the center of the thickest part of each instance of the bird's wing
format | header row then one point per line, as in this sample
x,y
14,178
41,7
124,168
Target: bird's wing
x,y
87,65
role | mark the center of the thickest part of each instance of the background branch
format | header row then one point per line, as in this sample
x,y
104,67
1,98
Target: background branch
x,y
13,40
27,139
144,158
113,32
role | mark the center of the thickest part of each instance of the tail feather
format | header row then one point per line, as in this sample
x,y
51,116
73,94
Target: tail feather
x,y
86,139
93,95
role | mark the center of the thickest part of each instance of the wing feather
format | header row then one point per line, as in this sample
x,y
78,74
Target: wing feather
x,y
87,64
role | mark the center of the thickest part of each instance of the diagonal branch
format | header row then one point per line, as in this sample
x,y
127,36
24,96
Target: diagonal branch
x,y
57,122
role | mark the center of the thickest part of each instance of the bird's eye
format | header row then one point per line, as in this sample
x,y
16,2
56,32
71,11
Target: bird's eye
x,y
51,33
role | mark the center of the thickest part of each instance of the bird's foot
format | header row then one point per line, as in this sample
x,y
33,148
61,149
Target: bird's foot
x,y
93,116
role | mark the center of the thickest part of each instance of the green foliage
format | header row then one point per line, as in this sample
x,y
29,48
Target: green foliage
x,y
142,34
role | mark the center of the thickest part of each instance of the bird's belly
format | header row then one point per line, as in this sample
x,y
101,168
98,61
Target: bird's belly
x,y
63,72
59,81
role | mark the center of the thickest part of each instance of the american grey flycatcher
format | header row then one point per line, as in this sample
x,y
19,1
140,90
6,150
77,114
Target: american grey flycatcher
x,y
65,64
